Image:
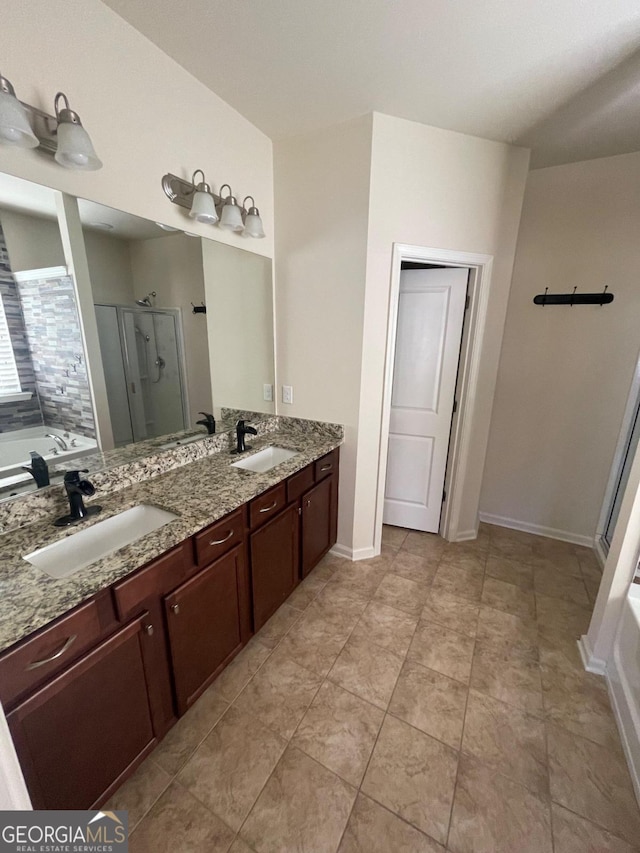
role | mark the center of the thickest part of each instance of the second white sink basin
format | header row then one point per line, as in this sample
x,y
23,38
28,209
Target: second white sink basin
x,y
265,460
88,544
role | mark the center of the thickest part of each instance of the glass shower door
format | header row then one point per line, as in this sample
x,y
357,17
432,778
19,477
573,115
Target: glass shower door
x,y
630,448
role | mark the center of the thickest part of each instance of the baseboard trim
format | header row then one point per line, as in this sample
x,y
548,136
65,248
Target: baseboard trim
x,y
601,554
466,535
353,554
537,529
627,718
590,662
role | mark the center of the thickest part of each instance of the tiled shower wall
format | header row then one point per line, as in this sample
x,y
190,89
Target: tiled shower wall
x,y
22,413
55,341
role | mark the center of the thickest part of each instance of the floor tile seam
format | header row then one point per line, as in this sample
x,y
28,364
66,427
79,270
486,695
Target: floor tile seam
x,y
494,646
619,749
543,796
594,823
448,627
540,718
564,598
464,683
394,715
403,657
251,677
210,810
455,784
396,815
165,788
200,742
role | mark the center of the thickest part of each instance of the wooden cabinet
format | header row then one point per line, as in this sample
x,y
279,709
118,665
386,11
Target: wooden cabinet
x,y
274,564
207,621
81,734
90,695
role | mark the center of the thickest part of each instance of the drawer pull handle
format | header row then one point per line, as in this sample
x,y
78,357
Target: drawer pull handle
x,y
148,629
220,541
269,508
175,608
65,647
327,467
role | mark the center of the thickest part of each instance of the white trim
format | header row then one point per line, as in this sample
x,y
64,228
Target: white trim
x,y
600,552
538,529
466,535
627,718
589,661
479,284
15,396
621,445
351,554
36,275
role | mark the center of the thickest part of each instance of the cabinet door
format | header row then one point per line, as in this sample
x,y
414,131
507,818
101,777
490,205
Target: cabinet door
x,y
317,523
204,617
79,735
274,564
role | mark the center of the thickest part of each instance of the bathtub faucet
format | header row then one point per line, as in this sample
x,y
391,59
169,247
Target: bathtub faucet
x,y
62,444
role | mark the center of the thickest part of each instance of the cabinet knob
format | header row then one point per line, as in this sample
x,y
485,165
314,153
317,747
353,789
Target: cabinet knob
x,y
309,502
148,629
175,608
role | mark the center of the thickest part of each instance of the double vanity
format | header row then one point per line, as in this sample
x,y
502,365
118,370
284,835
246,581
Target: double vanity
x,y
102,650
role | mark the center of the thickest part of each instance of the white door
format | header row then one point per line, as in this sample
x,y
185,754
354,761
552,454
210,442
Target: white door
x,y
430,318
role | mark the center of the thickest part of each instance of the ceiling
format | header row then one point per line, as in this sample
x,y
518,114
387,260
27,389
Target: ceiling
x,y
507,70
35,200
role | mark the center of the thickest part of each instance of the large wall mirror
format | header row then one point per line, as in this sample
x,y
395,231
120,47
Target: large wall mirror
x,y
119,332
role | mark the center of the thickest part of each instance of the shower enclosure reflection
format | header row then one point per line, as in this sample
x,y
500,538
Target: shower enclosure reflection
x,y
143,362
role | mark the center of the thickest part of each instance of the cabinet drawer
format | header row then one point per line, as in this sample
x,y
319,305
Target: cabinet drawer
x,y
158,578
299,483
265,506
216,540
326,465
44,654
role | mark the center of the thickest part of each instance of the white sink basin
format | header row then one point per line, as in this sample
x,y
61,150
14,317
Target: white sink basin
x,y
265,460
69,555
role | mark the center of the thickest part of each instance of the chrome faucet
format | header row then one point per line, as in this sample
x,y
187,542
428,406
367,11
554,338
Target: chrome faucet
x,y
62,444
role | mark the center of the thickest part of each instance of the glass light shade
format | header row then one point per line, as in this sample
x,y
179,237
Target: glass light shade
x,y
75,149
203,207
14,125
231,218
253,225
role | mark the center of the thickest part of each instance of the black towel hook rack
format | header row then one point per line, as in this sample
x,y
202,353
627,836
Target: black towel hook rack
x,y
571,299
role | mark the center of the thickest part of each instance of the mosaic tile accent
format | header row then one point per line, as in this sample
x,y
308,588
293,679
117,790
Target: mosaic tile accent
x,y
54,336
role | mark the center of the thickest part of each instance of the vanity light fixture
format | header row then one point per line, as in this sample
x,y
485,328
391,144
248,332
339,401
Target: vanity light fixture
x,y
231,218
205,206
62,134
252,221
75,149
15,129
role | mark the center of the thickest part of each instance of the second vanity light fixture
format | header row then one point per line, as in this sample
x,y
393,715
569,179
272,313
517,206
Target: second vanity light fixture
x,y
205,206
62,134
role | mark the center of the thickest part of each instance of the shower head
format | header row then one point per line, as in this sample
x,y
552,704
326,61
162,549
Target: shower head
x,y
146,302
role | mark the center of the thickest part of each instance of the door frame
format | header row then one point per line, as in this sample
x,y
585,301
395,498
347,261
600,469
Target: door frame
x,y
480,267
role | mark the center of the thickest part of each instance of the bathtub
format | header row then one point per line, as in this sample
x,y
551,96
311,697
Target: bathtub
x,y
16,447
623,676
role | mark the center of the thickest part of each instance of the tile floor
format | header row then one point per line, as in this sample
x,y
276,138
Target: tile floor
x,y
429,699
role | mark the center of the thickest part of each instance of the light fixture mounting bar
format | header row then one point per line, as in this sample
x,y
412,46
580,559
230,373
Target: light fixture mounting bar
x,y
181,192
45,127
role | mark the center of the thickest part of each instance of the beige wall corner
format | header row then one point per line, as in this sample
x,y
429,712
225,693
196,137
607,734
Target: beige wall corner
x,y
565,372
322,204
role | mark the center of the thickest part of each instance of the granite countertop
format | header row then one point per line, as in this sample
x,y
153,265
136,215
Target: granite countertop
x,y
199,493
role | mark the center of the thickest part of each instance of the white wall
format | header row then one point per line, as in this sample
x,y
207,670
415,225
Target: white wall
x,y
109,266
145,113
565,372
238,290
33,242
322,199
434,188
343,197
172,266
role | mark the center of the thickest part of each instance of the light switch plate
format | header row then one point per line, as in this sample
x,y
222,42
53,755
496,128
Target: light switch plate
x,y
267,392
287,393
